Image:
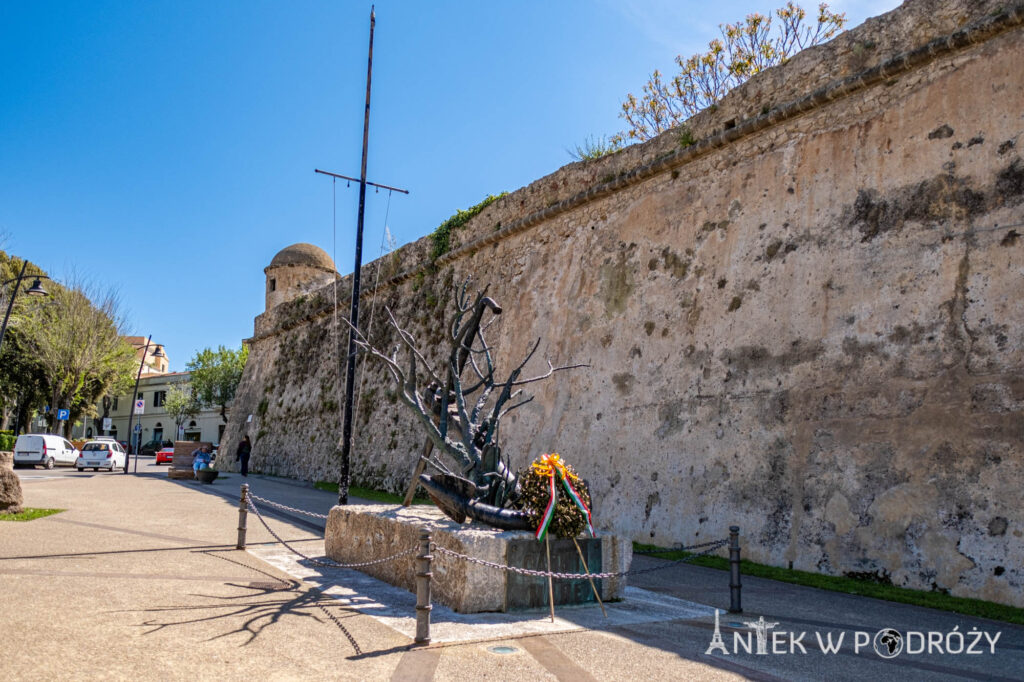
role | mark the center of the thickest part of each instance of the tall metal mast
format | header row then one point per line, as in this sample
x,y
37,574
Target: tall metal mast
x,y
350,358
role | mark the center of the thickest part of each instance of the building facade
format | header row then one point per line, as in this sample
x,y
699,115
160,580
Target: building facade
x,y
156,423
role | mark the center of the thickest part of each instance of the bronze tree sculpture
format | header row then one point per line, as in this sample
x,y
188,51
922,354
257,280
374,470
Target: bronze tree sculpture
x,y
461,409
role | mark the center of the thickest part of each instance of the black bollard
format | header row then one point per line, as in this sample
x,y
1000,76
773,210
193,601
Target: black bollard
x,y
243,511
423,576
734,570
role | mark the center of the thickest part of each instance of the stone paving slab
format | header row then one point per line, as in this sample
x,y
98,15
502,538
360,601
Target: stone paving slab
x,y
395,607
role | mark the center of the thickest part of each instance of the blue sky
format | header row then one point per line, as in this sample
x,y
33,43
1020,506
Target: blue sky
x,y
167,149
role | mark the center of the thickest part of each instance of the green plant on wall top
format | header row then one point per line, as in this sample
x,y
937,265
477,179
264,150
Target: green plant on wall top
x,y
595,148
745,49
442,236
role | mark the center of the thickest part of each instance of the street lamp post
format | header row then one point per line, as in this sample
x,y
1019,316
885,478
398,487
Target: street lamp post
x,y
131,411
35,290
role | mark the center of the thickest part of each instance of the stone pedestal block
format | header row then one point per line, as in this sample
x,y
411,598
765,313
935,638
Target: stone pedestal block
x,y
358,533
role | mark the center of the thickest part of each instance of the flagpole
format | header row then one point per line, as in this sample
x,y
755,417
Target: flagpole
x,y
350,367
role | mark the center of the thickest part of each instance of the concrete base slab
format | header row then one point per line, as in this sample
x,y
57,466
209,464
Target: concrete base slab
x,y
395,607
360,533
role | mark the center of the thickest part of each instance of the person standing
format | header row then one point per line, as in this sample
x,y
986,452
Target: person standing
x,y
242,455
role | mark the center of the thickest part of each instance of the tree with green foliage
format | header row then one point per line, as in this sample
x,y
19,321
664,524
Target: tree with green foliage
x,y
216,375
21,390
744,50
181,403
22,384
77,349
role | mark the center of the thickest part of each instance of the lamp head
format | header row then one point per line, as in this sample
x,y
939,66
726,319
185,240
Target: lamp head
x,y
37,289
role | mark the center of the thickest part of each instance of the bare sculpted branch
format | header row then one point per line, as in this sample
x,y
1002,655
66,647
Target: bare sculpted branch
x,y
462,415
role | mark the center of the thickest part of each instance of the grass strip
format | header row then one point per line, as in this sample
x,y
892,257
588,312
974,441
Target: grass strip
x,y
857,586
29,514
369,494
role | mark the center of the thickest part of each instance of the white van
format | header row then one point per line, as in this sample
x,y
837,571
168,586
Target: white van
x,y
43,448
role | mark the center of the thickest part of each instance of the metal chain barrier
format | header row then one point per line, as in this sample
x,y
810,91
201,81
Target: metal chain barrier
x,y
317,562
714,546
687,548
707,548
711,547
426,548
284,507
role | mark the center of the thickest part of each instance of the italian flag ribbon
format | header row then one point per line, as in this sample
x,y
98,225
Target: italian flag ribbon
x,y
553,467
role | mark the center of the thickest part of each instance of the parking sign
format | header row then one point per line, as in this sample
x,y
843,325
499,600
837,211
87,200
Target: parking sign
x,y
62,415
140,406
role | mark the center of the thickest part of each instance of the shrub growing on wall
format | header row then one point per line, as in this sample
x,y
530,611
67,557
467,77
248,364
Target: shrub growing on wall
x,y
744,50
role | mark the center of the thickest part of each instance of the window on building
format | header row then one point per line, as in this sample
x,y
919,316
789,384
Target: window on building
x,y
273,284
158,398
114,406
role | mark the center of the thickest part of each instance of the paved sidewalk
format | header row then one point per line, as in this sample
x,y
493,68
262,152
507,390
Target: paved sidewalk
x,y
139,580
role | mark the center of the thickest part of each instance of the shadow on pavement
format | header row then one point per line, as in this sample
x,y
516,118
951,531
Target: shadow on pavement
x,y
258,608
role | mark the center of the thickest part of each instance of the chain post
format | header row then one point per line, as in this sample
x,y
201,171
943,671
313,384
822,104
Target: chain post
x,y
243,511
423,576
734,570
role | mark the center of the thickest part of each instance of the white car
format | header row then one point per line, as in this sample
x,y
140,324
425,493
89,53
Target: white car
x,y
101,454
43,448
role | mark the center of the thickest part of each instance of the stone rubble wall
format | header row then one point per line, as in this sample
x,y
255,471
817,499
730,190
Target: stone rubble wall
x,y
807,324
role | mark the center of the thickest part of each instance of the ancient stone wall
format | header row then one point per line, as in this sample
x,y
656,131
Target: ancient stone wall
x,y
808,323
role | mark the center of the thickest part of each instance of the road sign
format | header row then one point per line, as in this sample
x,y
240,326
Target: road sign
x,y
62,415
138,428
140,406
107,423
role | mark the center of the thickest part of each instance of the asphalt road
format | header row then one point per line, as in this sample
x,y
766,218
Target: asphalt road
x,y
146,465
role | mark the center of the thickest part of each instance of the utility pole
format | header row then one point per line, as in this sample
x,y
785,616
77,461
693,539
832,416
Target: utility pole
x,y
131,412
350,358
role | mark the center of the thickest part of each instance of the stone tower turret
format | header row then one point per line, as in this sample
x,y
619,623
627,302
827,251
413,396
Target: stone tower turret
x,y
296,270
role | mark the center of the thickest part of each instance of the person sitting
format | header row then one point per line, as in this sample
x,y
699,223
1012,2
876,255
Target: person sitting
x,y
201,458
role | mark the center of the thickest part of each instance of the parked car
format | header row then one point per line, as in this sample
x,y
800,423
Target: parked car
x,y
101,454
152,446
45,449
165,455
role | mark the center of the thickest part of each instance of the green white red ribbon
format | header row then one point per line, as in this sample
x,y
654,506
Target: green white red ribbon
x,y
552,466
549,513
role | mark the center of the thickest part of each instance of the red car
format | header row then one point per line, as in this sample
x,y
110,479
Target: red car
x,y
164,455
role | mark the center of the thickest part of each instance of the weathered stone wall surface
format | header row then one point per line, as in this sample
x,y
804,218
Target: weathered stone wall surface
x,y
807,324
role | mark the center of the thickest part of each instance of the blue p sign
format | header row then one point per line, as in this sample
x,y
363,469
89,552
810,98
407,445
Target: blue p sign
x,y
62,415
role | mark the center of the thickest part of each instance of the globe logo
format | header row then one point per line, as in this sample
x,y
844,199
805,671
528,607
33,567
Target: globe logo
x,y
888,643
